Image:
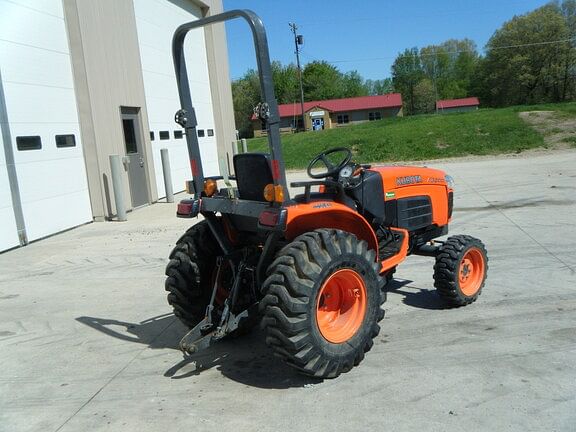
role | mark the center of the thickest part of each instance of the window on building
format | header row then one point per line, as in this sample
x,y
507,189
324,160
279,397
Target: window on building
x,y
164,135
377,115
178,134
28,143
151,135
342,118
200,133
210,132
65,141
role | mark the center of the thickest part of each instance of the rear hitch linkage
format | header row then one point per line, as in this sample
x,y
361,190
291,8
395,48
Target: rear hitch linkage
x,y
205,332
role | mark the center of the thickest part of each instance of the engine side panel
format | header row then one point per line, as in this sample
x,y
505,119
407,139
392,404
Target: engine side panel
x,y
404,189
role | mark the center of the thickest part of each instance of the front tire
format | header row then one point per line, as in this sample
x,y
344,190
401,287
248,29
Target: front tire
x,y
322,301
460,270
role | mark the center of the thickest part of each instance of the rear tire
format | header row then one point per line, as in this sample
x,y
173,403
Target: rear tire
x,y
189,282
320,336
460,270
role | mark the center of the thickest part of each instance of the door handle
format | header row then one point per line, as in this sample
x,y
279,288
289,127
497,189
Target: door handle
x,y
141,159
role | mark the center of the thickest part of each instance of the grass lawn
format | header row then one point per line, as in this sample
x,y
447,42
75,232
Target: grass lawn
x,y
482,132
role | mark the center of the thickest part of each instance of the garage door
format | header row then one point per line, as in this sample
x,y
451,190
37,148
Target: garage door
x,y
156,22
42,116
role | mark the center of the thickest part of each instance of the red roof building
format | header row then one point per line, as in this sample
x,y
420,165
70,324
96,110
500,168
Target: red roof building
x,y
457,105
333,113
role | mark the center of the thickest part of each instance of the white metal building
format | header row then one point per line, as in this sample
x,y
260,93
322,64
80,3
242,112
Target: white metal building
x,y
83,79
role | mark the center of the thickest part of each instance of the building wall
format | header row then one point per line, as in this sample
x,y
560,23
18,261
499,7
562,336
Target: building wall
x,y
330,119
361,116
39,99
315,113
138,72
286,126
107,72
457,109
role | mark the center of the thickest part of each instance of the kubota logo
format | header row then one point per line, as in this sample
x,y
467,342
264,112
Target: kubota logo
x,y
400,181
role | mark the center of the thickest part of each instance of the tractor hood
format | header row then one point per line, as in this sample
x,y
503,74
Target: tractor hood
x,y
395,177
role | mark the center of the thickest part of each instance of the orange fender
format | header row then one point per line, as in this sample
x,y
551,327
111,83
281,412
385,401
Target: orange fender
x,y
307,217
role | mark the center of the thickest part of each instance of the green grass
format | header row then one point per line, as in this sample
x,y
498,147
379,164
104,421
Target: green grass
x,y
483,132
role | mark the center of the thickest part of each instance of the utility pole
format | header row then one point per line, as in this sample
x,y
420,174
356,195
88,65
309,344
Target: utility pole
x,y
299,40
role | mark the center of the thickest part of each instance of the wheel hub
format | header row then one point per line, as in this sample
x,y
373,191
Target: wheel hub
x,y
341,305
471,271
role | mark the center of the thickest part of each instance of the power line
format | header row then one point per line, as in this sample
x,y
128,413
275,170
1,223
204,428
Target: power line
x,y
457,52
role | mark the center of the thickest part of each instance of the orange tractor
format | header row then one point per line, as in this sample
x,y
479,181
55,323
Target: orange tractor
x,y
311,267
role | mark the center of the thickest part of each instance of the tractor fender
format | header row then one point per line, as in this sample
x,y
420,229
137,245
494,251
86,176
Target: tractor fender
x,y
306,217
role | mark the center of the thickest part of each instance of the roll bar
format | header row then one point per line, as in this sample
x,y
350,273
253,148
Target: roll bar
x,y
186,117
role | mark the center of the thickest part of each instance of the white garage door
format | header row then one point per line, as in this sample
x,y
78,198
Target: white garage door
x,y
42,116
156,22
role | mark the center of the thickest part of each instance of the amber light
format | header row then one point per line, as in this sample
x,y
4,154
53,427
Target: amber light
x,y
274,193
210,187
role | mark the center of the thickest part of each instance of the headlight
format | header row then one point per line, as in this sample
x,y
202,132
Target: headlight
x,y
450,180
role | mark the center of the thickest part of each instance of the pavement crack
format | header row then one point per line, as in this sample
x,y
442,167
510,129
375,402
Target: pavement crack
x,y
501,211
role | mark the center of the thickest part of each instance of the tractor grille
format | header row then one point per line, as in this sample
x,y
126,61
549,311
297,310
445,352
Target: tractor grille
x,y
414,212
450,204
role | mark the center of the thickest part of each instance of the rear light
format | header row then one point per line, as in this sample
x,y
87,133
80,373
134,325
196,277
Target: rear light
x,y
274,193
272,218
210,187
188,208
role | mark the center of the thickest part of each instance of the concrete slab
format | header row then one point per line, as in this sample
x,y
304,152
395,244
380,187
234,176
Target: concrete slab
x,y
87,341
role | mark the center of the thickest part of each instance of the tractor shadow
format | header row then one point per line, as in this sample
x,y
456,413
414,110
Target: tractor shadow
x,y
420,298
244,359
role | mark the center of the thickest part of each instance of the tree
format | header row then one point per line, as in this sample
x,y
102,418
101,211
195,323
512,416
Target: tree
x,y
450,67
406,74
245,96
525,63
568,11
379,87
353,85
321,80
286,85
424,97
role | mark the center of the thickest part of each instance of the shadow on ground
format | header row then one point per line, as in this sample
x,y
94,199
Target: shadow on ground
x,y
414,296
244,359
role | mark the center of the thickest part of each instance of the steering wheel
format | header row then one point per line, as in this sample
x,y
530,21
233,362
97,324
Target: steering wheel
x,y
332,169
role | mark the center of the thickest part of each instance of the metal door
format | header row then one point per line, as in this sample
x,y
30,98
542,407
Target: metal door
x,y
135,160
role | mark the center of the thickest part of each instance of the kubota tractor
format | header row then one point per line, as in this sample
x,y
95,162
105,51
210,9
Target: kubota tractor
x,y
312,267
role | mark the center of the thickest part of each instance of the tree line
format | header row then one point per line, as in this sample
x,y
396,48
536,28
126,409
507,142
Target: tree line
x,y
530,59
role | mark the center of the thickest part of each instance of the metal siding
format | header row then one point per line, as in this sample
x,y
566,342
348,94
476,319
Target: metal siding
x,y
40,100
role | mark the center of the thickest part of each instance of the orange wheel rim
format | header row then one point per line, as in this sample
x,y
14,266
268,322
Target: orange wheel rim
x,y
471,272
341,305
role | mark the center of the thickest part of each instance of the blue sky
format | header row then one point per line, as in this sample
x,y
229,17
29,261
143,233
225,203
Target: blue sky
x,y
365,35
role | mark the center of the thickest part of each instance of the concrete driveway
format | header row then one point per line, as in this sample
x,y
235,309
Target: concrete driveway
x,y
87,341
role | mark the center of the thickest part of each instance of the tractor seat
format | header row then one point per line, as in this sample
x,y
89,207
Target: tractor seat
x,y
253,173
